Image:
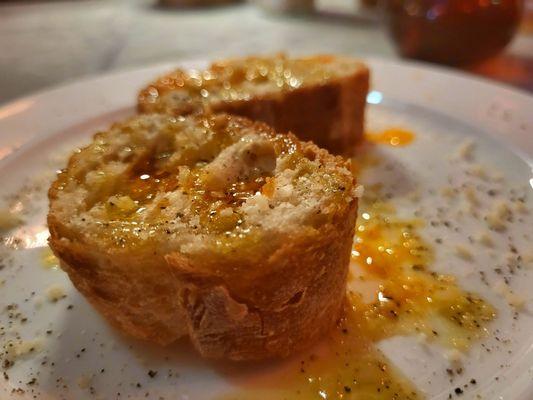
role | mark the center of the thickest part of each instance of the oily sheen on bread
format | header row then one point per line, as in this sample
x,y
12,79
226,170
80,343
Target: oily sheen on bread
x,y
319,98
213,227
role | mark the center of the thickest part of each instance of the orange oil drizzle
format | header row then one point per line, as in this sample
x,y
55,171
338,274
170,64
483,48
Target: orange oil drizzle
x,y
396,137
409,298
345,365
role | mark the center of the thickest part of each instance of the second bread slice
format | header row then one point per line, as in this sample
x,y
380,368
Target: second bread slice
x,y
319,98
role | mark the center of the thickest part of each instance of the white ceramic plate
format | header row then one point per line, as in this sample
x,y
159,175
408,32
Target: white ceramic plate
x,y
441,107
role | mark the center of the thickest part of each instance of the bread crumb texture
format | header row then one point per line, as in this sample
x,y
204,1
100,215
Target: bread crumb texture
x,y
187,183
319,98
243,79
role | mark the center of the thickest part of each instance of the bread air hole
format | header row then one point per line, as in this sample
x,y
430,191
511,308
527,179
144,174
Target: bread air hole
x,y
295,299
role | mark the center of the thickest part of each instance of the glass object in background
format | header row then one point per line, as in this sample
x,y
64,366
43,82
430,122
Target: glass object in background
x,y
369,3
289,6
527,22
194,3
454,32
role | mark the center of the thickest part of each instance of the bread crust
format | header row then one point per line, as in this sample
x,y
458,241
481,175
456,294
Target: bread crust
x,y
236,304
136,295
284,310
329,113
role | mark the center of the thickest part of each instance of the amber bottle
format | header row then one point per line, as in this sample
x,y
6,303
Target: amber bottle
x,y
455,32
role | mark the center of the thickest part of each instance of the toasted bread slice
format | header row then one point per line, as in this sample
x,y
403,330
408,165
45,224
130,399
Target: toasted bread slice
x,y
213,226
319,98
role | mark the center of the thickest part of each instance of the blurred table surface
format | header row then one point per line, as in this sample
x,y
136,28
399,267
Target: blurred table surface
x,y
44,43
